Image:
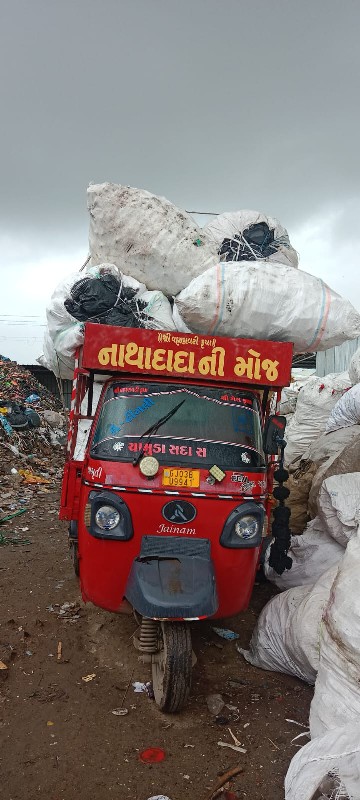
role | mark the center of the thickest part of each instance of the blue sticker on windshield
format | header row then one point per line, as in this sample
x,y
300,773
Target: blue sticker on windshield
x,y
131,414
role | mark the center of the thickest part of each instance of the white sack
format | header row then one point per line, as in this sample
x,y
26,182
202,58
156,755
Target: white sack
x,y
346,412
329,445
337,752
312,553
354,368
315,401
65,334
147,237
336,699
228,225
347,460
286,635
268,301
339,506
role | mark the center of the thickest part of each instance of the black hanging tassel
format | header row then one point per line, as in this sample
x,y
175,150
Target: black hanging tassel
x,y
279,559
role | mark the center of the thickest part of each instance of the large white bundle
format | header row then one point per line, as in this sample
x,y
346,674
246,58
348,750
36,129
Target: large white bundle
x,y
336,753
146,237
312,553
65,333
329,445
336,699
286,635
339,506
231,226
347,460
315,401
271,301
354,368
346,412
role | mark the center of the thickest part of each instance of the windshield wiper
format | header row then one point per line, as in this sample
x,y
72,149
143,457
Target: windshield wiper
x,y
154,428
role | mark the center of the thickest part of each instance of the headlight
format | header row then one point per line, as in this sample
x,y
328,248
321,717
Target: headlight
x,y
110,517
247,527
107,518
243,527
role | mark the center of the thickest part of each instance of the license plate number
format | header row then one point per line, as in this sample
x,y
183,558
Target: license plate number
x,y
181,477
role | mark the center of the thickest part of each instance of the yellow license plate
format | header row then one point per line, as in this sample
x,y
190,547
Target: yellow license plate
x,y
181,477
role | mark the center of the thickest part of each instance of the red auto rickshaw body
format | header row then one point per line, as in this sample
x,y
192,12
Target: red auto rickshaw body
x,y
211,473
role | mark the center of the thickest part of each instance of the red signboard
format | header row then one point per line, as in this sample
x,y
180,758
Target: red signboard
x,y
186,355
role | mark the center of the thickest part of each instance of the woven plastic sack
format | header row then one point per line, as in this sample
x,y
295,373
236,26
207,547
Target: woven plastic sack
x,y
315,401
336,699
347,460
229,228
147,237
354,368
339,506
65,333
346,412
268,301
330,763
286,635
312,554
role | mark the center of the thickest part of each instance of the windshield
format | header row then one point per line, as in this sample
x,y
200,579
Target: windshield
x,y
210,425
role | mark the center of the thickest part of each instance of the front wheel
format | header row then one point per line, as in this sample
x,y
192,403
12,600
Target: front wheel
x,y
171,666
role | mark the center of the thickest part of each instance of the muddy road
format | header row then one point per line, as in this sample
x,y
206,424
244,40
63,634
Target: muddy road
x,y
59,738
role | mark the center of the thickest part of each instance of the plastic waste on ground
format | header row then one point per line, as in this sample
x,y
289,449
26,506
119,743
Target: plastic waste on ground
x,y
271,301
251,236
147,237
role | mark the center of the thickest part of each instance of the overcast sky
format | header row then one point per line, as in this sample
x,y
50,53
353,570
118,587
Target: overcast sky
x,y
216,104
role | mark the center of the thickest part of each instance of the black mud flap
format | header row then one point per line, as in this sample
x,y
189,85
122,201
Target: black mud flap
x,y
173,578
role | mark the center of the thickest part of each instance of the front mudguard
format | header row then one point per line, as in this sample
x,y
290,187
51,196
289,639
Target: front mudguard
x,y
173,578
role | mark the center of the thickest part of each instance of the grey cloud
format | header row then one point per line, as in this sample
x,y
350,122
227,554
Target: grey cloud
x,y
217,105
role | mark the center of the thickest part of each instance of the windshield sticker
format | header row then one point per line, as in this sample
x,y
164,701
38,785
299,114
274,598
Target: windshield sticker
x,y
166,449
245,485
131,414
130,389
244,457
118,446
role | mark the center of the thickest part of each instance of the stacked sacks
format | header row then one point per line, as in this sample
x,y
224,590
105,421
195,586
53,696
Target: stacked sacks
x,y
331,761
100,294
315,402
346,412
273,302
251,236
345,460
147,237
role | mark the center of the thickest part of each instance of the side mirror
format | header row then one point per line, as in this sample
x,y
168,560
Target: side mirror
x,y
274,434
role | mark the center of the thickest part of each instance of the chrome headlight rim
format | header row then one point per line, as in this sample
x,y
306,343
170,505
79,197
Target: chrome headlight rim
x,y
231,539
106,511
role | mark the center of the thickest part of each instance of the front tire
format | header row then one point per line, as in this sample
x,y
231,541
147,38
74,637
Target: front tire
x,y
172,666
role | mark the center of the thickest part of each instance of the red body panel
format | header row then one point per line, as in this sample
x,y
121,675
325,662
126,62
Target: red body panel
x,y
105,565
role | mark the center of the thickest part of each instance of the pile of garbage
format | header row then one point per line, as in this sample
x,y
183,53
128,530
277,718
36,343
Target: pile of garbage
x,y
151,266
33,424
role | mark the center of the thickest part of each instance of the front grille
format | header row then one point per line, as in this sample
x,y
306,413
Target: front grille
x,y
174,545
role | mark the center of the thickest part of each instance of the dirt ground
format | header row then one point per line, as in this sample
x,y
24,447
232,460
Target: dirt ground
x,y
58,737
